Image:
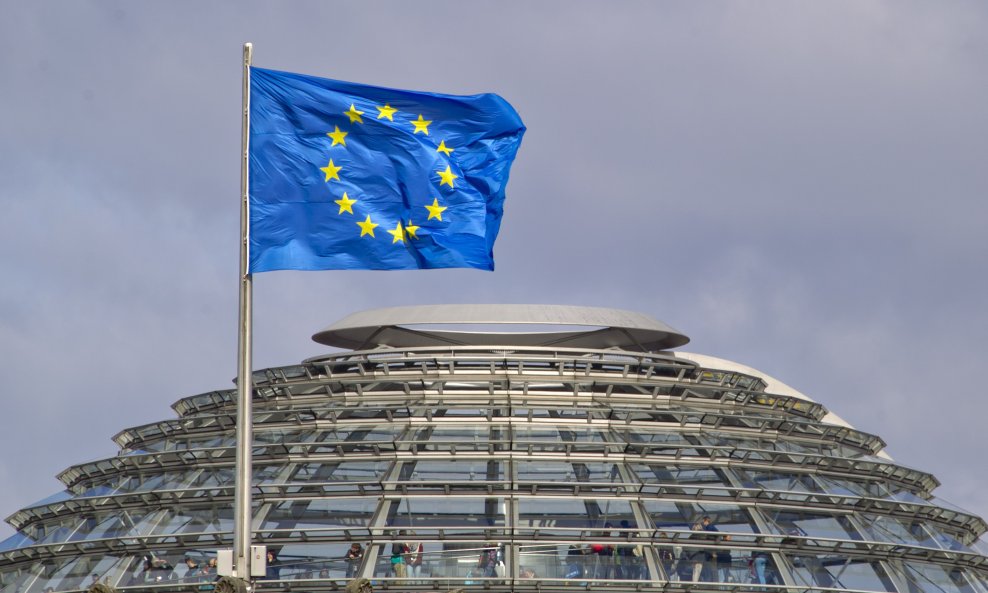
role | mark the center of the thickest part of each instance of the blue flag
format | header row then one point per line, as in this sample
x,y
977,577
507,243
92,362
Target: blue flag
x,y
346,176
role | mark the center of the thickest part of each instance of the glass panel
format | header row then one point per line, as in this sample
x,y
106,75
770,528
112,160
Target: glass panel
x,y
57,497
568,472
147,482
904,495
671,515
551,438
839,572
82,572
356,438
721,565
208,520
18,540
931,578
542,562
321,513
979,576
161,567
564,516
936,500
889,529
12,580
343,471
264,436
459,563
59,530
799,523
597,561
979,545
452,471
312,561
430,513
777,480
472,437
176,442
847,487
687,474
654,437
115,524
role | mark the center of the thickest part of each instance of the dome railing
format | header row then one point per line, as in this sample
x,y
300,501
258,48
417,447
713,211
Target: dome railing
x,y
437,535
633,490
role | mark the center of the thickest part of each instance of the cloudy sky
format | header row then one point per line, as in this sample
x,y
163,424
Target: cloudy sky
x,y
798,186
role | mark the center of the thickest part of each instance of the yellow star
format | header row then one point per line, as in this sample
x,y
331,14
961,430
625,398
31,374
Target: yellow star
x,y
443,148
435,210
367,227
398,234
345,203
421,125
332,171
337,136
354,115
447,177
411,229
386,111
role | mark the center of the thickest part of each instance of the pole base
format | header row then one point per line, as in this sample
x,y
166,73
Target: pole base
x,y
232,585
359,586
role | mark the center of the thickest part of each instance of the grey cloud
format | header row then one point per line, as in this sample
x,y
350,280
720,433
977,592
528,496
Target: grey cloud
x,y
798,187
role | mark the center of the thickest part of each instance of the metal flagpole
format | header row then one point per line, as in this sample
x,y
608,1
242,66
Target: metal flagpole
x,y
245,382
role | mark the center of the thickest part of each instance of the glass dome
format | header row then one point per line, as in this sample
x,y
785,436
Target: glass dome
x,y
583,454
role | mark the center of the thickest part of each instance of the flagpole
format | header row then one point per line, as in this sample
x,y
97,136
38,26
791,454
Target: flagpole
x,y
243,482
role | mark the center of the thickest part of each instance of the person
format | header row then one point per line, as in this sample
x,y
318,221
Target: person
x,y
210,569
414,557
574,561
191,568
710,563
527,573
605,556
759,565
155,568
487,563
398,558
667,558
698,557
627,564
273,569
353,557
207,575
724,562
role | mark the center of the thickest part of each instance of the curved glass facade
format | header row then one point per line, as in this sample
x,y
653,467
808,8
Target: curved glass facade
x,y
504,468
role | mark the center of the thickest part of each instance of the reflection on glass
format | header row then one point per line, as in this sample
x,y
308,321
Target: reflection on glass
x,y
478,470
681,475
809,524
321,513
462,513
451,563
839,572
932,578
568,515
672,515
570,472
898,531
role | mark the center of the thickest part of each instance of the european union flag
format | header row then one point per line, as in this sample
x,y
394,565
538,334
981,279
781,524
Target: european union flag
x,y
347,176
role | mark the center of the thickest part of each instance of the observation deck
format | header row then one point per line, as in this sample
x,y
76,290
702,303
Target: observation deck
x,y
496,325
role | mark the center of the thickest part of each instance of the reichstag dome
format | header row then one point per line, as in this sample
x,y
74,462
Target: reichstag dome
x,y
505,448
